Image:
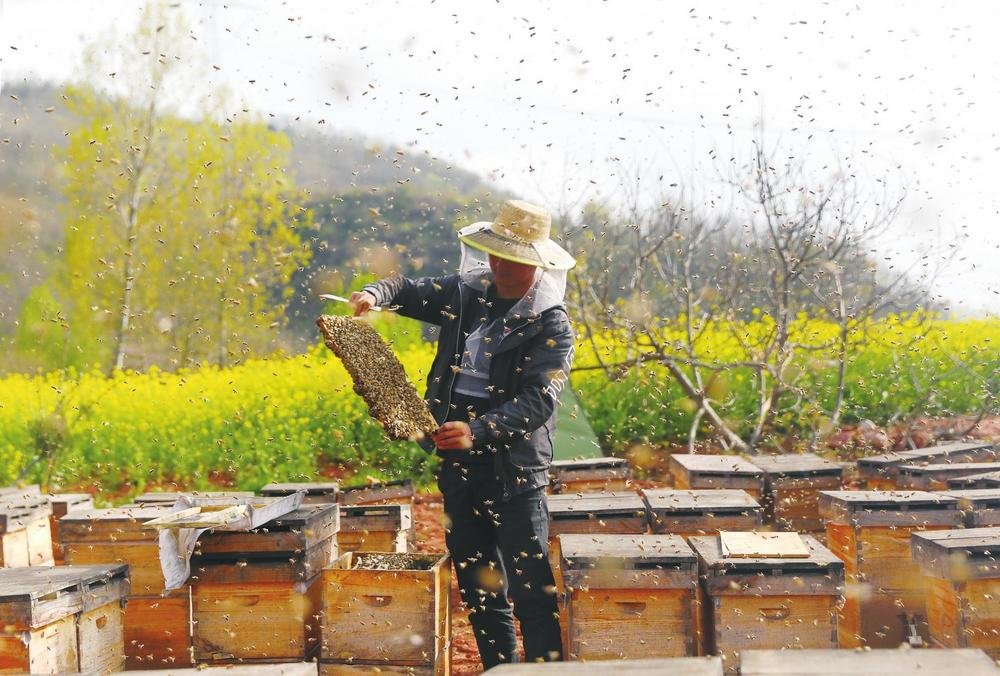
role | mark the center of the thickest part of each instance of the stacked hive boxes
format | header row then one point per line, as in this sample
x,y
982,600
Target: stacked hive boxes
x,y
386,613
630,595
701,512
791,489
63,619
880,472
870,531
25,533
768,601
63,504
962,569
255,594
157,625
590,475
717,471
935,476
979,506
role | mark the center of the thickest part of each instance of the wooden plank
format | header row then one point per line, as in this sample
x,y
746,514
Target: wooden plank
x,y
865,663
253,669
157,631
709,550
677,666
763,545
101,636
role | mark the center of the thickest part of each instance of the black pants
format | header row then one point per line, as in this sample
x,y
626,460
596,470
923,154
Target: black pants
x,y
500,549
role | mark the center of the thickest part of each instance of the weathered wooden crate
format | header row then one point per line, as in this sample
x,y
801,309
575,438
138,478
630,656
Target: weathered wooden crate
x,y
630,596
608,512
14,536
314,492
57,619
879,471
666,666
701,512
255,594
399,492
375,528
791,489
716,471
158,630
767,602
63,504
29,512
865,662
980,507
589,475
935,476
387,610
169,497
885,597
962,569
116,535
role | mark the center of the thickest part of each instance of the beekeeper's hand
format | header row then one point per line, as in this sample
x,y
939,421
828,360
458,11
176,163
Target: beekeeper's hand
x,y
453,436
362,302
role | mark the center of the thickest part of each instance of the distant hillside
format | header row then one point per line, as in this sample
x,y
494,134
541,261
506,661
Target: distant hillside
x,y
329,165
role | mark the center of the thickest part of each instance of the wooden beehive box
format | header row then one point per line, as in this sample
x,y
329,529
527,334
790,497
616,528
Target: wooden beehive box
x,y
375,528
987,480
255,669
590,475
935,476
754,602
380,493
879,471
63,504
58,619
870,530
116,535
701,512
630,596
387,611
980,507
314,492
866,662
665,666
791,489
716,471
962,569
608,512
24,520
255,594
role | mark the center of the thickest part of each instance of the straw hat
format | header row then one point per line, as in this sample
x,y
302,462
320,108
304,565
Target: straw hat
x,y
520,233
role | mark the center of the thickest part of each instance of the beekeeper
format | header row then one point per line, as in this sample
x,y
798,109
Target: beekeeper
x,y
503,356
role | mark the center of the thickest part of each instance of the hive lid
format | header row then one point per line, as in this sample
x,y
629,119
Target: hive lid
x,y
715,464
943,451
975,497
171,497
712,501
306,527
110,524
950,468
959,554
325,488
737,545
605,504
709,550
373,492
797,464
890,507
624,551
986,480
376,517
590,463
35,596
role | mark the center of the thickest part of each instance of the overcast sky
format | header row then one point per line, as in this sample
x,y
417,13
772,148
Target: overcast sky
x,y
555,99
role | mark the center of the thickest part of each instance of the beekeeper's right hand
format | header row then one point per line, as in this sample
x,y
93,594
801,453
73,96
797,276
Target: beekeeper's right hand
x,y
362,302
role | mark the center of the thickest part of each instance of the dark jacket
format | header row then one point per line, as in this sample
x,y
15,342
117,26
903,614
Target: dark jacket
x,y
528,370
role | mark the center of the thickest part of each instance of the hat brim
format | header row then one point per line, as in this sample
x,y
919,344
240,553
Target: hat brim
x,y
545,254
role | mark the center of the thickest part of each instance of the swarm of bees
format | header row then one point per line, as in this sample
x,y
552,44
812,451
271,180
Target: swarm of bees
x,y
378,377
